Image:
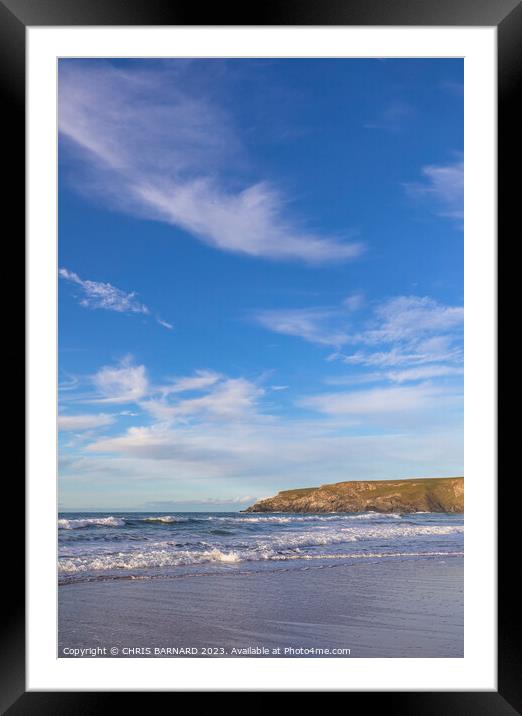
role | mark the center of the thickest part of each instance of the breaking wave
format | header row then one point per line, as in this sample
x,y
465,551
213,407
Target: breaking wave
x,y
143,545
64,524
290,519
163,558
166,519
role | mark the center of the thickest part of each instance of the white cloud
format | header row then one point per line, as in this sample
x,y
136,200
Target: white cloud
x,y
354,302
84,422
202,431
273,455
154,149
70,383
247,499
415,353
165,324
406,317
423,373
324,325
230,399
166,505
405,329
374,401
316,325
124,383
96,294
220,398
408,330
403,375
444,185
249,222
201,379
426,352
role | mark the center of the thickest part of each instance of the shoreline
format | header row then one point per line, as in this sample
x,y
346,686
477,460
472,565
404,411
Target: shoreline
x,y
404,608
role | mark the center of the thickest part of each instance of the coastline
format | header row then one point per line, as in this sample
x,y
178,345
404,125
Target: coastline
x,y
392,609
403,496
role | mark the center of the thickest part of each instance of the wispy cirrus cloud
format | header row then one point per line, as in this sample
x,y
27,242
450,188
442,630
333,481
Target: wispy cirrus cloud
x,y
230,399
316,325
424,373
394,401
206,448
122,383
165,324
413,352
443,187
84,422
99,294
399,375
215,459
401,331
208,429
157,149
408,331
199,380
166,505
405,318
323,325
212,396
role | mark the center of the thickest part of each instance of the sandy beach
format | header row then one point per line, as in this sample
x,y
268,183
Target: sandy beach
x,y
396,608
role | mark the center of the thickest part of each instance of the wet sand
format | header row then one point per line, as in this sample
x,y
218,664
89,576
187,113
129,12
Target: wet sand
x,y
397,608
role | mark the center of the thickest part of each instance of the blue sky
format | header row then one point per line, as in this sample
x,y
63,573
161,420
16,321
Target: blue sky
x,y
260,277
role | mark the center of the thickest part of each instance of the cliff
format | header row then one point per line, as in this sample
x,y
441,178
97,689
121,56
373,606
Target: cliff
x,y
432,494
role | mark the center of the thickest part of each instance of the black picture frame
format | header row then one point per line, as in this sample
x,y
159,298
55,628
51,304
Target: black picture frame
x,y
506,15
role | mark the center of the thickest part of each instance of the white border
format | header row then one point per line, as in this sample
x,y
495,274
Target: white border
x,y
477,670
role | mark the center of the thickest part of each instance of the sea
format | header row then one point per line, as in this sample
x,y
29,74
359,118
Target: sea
x,y
156,545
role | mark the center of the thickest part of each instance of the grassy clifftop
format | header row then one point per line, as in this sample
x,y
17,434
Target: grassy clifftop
x,y
428,494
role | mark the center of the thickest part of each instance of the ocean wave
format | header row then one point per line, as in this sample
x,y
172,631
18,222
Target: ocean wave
x,y
325,535
406,530
167,519
143,560
369,555
64,524
289,519
282,546
162,558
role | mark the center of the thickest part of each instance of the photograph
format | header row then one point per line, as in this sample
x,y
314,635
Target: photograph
x,y
260,357
263,319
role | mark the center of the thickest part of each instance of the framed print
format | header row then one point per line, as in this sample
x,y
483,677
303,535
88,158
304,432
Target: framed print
x,y
262,328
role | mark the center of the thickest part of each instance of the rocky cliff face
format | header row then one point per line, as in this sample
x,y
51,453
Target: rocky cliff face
x,y
432,494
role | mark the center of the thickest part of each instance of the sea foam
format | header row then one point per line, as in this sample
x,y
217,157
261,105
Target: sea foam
x,y
165,519
93,546
64,524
